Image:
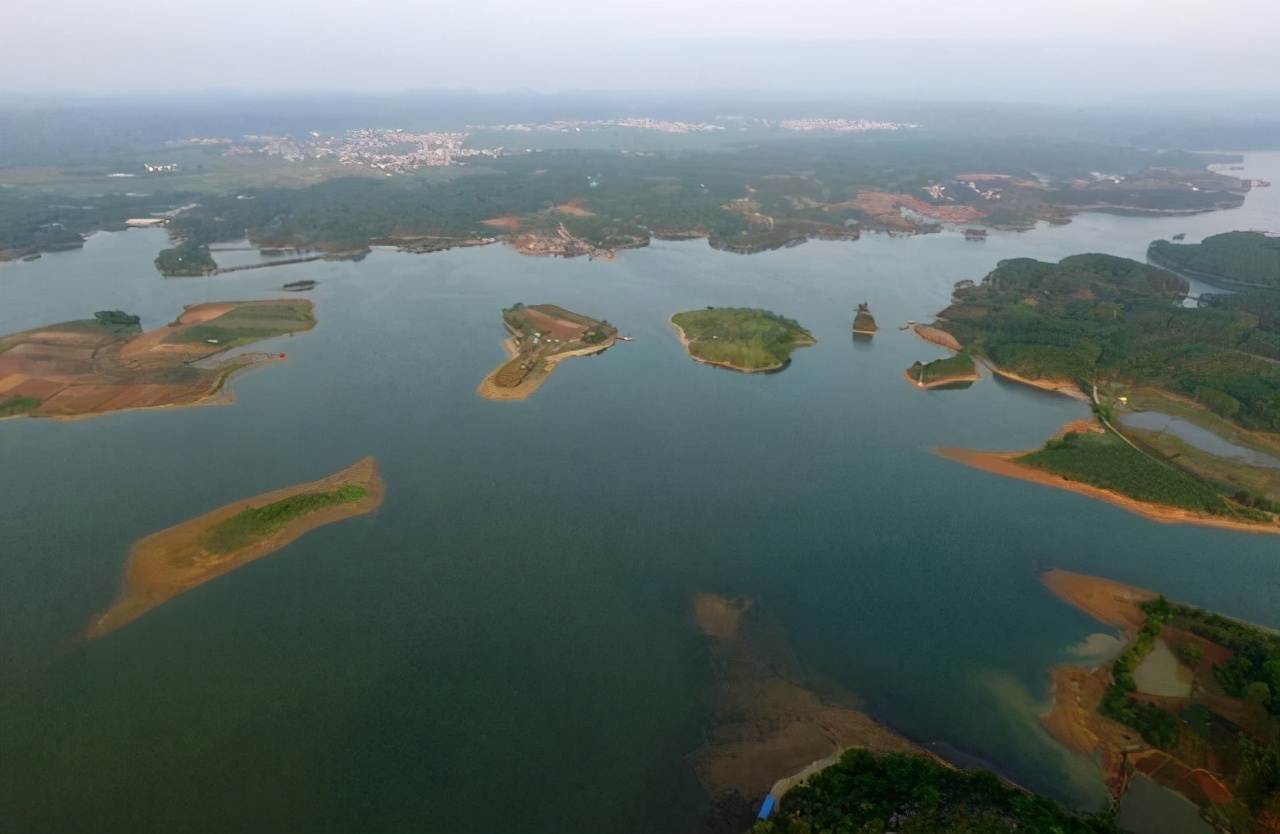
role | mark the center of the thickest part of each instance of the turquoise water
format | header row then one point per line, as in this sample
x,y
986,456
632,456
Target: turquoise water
x,y
507,645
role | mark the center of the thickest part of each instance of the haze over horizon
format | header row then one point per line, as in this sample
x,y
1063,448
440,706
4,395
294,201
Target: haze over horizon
x,y
1050,51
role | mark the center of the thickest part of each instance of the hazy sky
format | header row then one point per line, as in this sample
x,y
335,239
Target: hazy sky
x,y
272,45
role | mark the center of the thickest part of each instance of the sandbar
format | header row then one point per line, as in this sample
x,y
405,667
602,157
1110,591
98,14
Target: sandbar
x,y
769,731
938,337
173,561
1005,463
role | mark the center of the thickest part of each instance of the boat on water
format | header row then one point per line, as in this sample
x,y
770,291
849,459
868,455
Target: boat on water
x,y
975,234
1180,236
624,339
34,256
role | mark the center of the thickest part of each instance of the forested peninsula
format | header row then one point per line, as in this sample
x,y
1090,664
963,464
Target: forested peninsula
x,y
1118,331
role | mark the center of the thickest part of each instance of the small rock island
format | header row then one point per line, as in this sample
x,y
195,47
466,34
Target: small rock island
x,y
173,561
740,338
864,324
540,337
106,364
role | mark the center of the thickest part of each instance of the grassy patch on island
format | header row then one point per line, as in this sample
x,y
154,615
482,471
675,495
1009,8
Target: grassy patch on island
x,y
740,337
248,526
18,405
1107,462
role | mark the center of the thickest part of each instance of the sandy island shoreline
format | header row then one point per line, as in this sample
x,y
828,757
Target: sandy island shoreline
x,y
1004,463
173,561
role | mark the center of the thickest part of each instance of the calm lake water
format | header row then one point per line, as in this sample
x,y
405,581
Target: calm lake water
x,y
507,644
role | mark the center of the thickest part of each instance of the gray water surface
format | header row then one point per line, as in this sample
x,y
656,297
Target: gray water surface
x,y
506,645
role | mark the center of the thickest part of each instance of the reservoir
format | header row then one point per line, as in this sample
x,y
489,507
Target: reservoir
x,y
512,628
1202,439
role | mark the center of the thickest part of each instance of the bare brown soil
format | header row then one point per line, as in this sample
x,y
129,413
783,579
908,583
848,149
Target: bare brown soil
x,y
938,337
80,369
574,208
507,223
767,726
886,209
173,561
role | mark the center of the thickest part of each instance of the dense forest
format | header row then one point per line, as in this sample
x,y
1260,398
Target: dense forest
x,y
914,793
1232,259
1096,318
187,258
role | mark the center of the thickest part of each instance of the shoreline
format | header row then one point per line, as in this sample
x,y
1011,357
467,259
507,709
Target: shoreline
x,y
1056,386
685,342
1003,463
154,575
940,337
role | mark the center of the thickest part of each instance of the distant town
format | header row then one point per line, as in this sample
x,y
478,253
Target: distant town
x,y
397,151
393,151
721,123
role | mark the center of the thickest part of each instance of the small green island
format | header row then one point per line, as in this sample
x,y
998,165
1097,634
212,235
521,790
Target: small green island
x,y
864,324
958,371
740,338
907,792
186,259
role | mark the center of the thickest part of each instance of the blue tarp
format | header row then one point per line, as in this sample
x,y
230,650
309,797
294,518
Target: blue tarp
x,y
767,808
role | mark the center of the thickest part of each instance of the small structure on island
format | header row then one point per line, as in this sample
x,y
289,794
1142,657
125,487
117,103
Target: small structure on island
x,y
864,324
766,809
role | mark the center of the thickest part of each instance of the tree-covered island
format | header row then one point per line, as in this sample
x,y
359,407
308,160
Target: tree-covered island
x,y
186,259
740,338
